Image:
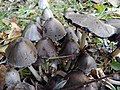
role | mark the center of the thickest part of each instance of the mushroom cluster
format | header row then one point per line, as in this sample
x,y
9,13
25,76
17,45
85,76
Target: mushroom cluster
x,y
58,55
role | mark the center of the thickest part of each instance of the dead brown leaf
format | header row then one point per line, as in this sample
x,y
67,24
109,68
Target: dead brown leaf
x,y
14,26
2,76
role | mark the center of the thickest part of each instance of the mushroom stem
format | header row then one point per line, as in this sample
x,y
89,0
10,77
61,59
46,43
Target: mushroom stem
x,y
83,39
113,81
40,70
34,72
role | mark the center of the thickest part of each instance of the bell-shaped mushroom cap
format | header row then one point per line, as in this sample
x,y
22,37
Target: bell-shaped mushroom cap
x,y
75,77
47,13
91,23
21,86
12,77
46,48
43,4
78,78
21,53
70,47
54,29
70,34
32,33
85,62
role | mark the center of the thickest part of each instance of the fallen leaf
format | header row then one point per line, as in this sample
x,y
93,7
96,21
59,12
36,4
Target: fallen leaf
x,y
2,49
14,26
2,76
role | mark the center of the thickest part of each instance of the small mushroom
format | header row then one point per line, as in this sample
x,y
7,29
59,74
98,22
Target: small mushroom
x,y
71,34
21,86
54,29
85,63
32,32
22,53
47,13
69,47
77,78
12,77
45,48
89,23
43,4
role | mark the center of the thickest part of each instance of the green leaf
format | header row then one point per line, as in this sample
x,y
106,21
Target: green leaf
x,y
115,65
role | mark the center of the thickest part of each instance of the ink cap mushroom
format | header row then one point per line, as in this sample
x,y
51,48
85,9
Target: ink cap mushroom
x,y
78,78
22,53
54,29
32,32
86,63
89,24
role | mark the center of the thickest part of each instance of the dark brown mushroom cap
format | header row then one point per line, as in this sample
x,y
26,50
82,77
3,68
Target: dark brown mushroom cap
x,y
91,23
75,77
21,86
32,32
21,53
54,29
85,62
69,47
78,78
46,48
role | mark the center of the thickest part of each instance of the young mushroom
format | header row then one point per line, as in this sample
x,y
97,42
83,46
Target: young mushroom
x,y
32,32
12,77
70,34
85,62
70,47
78,78
22,53
45,49
54,29
89,24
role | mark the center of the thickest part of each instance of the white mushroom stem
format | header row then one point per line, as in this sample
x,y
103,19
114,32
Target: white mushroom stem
x,y
83,39
40,70
113,81
34,72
